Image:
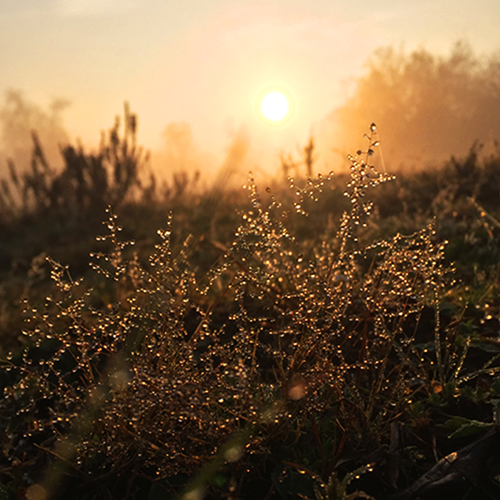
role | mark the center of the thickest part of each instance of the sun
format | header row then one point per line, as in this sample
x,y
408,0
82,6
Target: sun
x,y
275,106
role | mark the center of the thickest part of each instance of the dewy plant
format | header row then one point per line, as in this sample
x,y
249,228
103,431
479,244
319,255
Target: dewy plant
x,y
158,370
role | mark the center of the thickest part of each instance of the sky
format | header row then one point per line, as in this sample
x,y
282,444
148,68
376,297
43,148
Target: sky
x,y
201,65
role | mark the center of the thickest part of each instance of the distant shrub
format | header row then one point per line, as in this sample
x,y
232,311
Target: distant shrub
x,y
87,182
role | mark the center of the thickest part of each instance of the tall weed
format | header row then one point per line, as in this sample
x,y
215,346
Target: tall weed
x,y
280,343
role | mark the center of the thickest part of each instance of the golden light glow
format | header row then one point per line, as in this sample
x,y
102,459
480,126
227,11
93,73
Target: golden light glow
x,y
275,106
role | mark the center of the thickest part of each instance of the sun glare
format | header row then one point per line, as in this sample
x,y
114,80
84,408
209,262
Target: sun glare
x,y
274,106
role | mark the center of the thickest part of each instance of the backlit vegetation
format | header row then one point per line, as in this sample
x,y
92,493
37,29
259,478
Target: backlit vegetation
x,y
431,106
313,341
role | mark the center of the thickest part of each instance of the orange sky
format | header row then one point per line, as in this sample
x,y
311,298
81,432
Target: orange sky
x,y
205,62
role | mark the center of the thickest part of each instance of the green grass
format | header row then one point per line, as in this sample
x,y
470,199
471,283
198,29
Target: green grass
x,y
326,337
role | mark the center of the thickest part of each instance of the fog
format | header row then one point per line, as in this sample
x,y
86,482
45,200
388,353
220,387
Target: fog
x,y
427,107
19,118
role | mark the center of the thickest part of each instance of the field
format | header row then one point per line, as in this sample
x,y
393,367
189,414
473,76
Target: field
x,y
331,336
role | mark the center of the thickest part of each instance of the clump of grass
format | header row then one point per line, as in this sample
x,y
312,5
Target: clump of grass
x,y
279,345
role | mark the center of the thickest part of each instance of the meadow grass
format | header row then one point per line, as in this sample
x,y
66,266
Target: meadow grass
x,y
255,350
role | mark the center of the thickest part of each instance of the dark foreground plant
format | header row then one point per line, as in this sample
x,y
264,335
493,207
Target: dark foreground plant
x,y
279,346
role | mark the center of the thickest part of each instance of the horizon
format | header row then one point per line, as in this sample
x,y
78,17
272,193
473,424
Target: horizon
x,y
199,69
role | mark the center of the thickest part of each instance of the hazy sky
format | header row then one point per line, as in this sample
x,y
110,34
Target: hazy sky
x,y
205,62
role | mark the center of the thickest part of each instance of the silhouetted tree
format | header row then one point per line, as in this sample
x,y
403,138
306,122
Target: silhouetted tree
x,y
18,119
427,107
